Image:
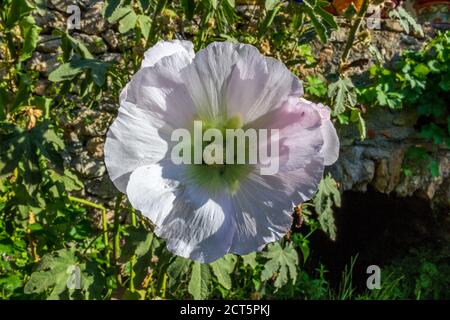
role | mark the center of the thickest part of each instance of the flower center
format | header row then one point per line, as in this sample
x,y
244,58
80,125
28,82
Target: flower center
x,y
220,167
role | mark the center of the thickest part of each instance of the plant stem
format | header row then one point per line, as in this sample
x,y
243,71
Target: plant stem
x,y
132,274
133,217
354,30
164,286
116,226
104,223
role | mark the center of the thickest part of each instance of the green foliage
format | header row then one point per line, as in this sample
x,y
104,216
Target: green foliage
x,y
422,274
282,264
419,80
316,86
57,274
342,95
327,196
406,20
199,285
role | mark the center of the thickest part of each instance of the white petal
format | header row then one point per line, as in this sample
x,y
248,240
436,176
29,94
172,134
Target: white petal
x,y
152,192
202,233
135,138
158,91
207,76
199,228
263,205
167,48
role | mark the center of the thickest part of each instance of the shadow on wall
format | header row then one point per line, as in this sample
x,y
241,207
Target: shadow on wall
x,y
377,227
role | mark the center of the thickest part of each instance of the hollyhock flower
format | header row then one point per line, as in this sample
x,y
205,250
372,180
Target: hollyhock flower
x,y
206,211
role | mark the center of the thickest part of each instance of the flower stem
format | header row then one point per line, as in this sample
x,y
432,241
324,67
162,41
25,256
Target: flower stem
x,y
116,233
116,226
133,258
133,218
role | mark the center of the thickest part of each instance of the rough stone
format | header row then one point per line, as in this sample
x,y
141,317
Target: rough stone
x,y
92,123
88,167
43,62
95,147
388,172
61,5
49,43
101,187
111,39
92,21
51,19
391,25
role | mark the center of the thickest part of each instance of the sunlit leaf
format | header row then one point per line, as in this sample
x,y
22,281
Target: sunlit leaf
x,y
282,264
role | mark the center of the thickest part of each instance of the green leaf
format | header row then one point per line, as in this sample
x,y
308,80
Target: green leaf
x,y
138,242
31,36
200,281
19,145
67,181
222,269
61,274
177,269
144,24
315,86
53,272
22,94
327,195
66,71
69,70
421,70
356,116
433,166
188,8
319,27
110,8
78,46
406,20
270,4
326,16
18,10
265,24
282,264
118,13
343,94
213,3
128,22
250,260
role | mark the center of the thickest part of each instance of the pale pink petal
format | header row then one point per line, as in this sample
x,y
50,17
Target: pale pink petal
x,y
259,85
331,145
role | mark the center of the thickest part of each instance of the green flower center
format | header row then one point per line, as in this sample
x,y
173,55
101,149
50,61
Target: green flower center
x,y
216,177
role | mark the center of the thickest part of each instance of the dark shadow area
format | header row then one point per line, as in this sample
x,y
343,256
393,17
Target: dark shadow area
x,y
377,227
